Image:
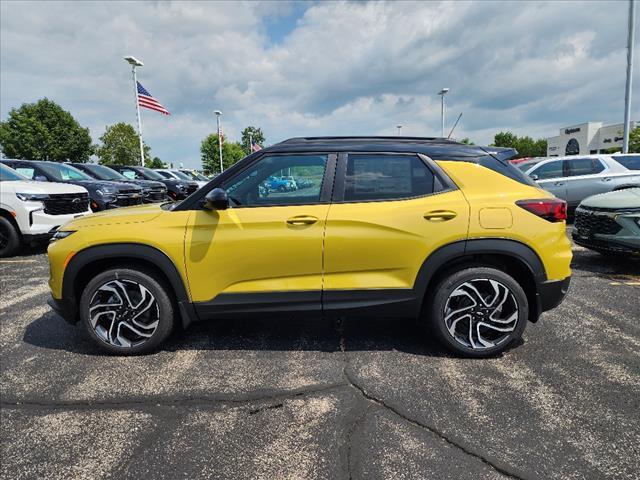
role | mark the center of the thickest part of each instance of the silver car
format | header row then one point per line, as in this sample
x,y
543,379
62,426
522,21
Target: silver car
x,y
576,177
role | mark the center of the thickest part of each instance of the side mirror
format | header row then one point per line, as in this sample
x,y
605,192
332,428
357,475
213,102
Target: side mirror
x,y
41,178
216,199
534,177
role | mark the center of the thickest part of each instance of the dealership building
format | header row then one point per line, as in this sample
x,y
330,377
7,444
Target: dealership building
x,y
586,138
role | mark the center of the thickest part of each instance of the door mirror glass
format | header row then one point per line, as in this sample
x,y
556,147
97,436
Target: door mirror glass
x,y
41,178
216,199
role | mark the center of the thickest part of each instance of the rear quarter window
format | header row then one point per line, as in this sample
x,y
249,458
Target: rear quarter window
x,y
632,162
506,169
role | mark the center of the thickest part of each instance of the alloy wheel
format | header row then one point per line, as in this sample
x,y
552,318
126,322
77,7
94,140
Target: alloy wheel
x,y
123,313
481,313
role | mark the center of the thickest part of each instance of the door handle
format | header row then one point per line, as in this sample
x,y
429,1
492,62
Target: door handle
x,y
606,179
439,215
559,184
302,220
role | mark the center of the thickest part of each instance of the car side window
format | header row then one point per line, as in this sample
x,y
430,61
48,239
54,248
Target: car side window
x,y
278,180
28,172
631,162
549,170
584,166
130,174
386,177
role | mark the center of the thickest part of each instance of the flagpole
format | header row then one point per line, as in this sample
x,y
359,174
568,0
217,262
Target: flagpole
x,y
135,91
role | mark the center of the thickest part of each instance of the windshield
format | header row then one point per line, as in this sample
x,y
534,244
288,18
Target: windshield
x,y
195,175
166,175
9,174
149,174
181,175
104,173
63,172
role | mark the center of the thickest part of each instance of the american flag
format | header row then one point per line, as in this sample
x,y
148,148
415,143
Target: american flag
x,y
147,101
255,147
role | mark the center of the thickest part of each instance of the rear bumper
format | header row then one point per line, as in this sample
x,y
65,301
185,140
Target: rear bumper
x,y
551,293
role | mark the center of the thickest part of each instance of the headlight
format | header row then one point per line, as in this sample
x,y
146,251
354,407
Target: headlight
x,y
32,197
106,191
182,187
60,234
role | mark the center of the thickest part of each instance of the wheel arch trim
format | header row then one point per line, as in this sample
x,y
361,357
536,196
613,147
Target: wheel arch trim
x,y
128,251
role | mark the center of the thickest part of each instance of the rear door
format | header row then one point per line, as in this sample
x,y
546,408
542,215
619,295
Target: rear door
x,y
552,177
585,178
389,212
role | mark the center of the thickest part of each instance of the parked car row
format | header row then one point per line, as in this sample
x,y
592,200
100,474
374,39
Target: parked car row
x,y
39,196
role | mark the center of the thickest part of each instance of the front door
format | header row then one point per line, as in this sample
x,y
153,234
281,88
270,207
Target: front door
x,y
551,177
265,251
389,213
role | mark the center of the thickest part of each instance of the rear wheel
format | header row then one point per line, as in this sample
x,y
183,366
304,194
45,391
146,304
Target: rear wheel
x,y
127,311
478,312
9,238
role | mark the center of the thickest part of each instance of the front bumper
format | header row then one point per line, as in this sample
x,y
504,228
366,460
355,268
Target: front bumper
x,y
551,293
65,308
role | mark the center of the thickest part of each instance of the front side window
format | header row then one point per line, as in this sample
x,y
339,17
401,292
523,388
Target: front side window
x,y
278,180
548,170
584,166
386,177
63,172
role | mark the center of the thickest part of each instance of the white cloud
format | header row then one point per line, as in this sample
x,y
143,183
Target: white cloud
x,y
343,68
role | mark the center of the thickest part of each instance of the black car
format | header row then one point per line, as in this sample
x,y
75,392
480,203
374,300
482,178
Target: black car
x,y
152,191
176,189
103,194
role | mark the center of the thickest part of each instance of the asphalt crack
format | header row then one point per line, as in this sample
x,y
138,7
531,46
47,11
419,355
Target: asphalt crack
x,y
492,463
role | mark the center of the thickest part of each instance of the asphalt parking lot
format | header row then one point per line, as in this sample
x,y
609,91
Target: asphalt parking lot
x,y
325,399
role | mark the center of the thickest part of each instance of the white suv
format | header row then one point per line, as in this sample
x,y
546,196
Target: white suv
x,y
33,211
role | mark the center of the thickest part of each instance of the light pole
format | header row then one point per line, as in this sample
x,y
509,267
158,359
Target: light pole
x,y
218,113
442,93
627,93
399,127
134,62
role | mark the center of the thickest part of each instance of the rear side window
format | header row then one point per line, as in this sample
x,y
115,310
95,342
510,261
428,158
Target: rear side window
x,y
386,177
549,170
632,162
28,172
584,166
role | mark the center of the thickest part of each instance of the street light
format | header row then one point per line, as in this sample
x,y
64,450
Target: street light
x,y
134,62
442,93
218,113
399,127
627,94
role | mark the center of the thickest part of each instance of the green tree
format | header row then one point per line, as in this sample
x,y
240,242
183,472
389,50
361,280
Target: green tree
x,y
156,163
526,146
254,133
44,131
209,154
467,141
119,145
634,140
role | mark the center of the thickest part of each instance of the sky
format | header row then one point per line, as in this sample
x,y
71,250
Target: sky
x,y
309,68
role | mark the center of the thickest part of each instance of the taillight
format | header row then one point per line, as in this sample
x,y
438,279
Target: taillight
x,y
551,209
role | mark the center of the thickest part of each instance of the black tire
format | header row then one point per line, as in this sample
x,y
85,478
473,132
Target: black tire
x,y
9,238
130,277
457,280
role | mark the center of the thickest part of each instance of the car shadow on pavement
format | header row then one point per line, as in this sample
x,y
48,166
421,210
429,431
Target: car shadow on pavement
x,y
50,331
592,262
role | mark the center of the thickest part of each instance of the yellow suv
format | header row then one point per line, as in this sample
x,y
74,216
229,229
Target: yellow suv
x,y
447,233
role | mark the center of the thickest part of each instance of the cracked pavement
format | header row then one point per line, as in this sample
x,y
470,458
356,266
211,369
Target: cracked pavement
x,y
309,399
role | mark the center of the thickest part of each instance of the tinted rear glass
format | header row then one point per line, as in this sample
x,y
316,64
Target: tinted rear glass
x,y
632,162
383,177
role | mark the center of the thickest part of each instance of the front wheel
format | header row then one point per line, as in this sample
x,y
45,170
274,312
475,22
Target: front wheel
x,y
127,311
478,312
9,238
